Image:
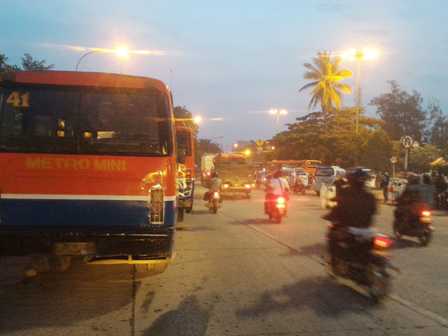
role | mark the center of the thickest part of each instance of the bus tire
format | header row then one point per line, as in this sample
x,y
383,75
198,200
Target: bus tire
x,y
180,214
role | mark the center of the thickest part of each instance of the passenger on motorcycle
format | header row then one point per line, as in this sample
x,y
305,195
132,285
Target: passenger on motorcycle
x,y
413,200
213,184
277,187
355,208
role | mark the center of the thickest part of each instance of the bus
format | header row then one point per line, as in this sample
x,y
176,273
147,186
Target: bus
x,y
89,166
309,165
186,168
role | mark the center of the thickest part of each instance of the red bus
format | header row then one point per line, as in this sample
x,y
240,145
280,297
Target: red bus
x,y
88,168
309,165
186,168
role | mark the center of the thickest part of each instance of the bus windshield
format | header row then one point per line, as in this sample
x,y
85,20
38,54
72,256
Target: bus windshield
x,y
84,120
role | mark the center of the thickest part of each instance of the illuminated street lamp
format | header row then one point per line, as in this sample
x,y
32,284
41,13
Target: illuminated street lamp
x,y
278,112
352,54
122,52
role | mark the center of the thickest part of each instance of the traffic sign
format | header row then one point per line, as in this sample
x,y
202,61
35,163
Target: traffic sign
x,y
406,141
393,159
259,143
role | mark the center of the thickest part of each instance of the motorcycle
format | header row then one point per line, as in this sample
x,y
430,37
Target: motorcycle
x,y
360,255
414,225
214,201
276,208
299,186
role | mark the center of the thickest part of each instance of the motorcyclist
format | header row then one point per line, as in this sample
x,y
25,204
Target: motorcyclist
x,y
412,201
213,184
355,208
277,187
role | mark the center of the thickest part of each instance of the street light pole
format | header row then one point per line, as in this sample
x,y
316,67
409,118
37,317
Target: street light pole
x,y
357,92
278,112
366,53
122,52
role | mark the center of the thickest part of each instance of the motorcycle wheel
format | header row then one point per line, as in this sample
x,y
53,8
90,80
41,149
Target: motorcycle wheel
x,y
278,218
303,191
397,232
215,207
426,237
379,282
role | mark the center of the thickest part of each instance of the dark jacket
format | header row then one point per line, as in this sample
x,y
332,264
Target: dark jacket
x,y
355,207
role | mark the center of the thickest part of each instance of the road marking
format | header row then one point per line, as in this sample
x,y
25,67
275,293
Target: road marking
x,y
434,317
262,231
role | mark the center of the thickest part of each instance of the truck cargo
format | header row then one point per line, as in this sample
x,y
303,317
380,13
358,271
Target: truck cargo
x,y
236,172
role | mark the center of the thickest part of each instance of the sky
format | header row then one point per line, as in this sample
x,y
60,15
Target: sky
x,y
230,62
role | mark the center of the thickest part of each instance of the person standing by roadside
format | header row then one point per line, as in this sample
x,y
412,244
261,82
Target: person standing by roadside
x,y
338,183
385,186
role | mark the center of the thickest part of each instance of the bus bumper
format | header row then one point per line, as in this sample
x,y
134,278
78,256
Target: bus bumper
x,y
127,244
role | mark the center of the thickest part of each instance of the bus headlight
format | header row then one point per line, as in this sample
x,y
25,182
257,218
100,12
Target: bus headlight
x,y
157,205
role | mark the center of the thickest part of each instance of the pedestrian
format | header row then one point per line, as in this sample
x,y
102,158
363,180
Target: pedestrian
x,y
385,185
428,191
338,183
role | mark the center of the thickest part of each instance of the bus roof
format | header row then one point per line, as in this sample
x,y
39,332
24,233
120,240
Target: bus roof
x,y
98,79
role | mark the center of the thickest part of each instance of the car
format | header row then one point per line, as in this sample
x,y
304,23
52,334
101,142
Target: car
x,y
326,174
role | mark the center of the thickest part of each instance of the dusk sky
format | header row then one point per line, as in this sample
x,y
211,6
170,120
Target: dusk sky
x,y
236,60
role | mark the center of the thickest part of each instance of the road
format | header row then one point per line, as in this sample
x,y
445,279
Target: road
x,y
236,273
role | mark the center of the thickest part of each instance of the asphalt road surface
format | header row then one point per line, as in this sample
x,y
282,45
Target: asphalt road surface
x,y
236,273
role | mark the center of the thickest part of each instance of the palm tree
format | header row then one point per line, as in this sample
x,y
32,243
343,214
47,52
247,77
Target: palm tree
x,y
324,75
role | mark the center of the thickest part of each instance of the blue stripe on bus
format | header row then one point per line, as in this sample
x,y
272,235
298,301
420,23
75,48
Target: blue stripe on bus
x,y
16,212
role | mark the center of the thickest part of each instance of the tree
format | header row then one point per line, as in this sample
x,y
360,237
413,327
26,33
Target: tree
x,y
325,75
334,144
401,112
420,157
27,63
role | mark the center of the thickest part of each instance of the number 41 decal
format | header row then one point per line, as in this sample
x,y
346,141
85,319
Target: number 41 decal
x,y
17,100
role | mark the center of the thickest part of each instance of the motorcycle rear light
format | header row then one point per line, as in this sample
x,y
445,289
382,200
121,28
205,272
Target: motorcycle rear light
x,y
280,200
382,242
281,206
426,213
216,194
209,174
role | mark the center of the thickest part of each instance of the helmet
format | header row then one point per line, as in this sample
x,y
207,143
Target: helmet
x,y
426,179
357,176
278,173
414,179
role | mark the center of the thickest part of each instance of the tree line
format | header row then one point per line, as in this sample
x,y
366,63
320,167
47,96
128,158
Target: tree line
x,y
329,134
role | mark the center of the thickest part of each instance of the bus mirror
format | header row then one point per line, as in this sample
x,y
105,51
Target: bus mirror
x,y
182,154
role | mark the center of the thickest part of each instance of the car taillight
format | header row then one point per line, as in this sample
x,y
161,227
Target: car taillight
x,y
226,185
426,213
382,243
157,205
247,186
